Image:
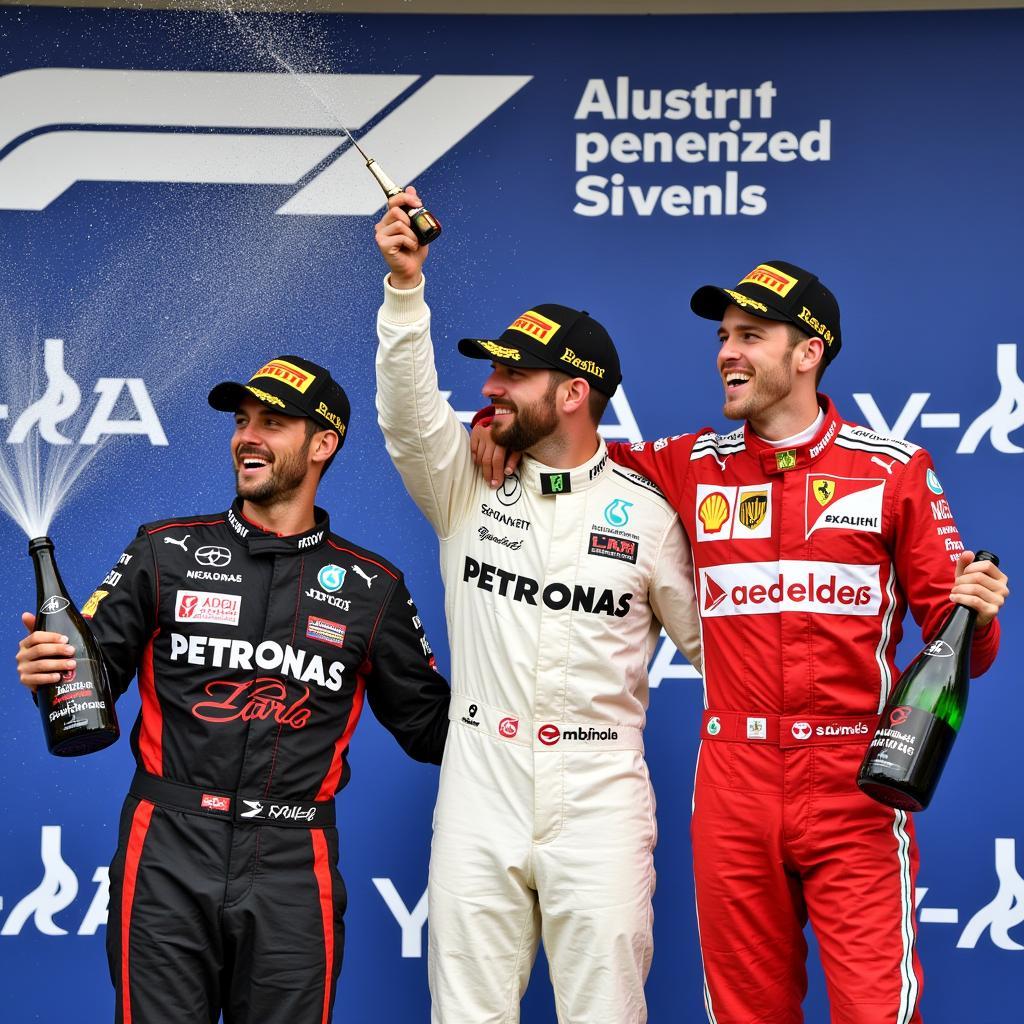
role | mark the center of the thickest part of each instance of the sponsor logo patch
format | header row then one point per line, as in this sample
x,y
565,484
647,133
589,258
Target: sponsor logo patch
x,y
607,546
767,588
933,482
325,630
757,728
90,606
212,802
508,727
771,278
844,503
331,578
536,326
203,606
287,373
733,513
213,555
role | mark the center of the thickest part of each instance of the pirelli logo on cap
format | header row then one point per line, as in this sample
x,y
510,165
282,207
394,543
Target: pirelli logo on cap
x,y
500,351
288,373
771,278
538,327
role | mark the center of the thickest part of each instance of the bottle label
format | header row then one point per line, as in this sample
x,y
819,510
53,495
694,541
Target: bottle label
x,y
901,737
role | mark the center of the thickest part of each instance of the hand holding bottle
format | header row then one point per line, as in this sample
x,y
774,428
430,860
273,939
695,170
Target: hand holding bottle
x,y
979,585
398,243
42,657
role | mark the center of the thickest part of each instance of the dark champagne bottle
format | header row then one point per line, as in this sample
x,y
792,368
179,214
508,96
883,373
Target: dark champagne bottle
x,y
78,711
922,717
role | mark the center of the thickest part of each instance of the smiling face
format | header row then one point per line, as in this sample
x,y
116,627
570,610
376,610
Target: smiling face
x,y
270,452
756,360
525,405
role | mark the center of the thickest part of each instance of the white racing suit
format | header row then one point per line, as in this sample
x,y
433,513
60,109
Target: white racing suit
x,y
544,825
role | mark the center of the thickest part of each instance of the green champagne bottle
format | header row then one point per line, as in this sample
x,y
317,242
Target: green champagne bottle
x,y
922,717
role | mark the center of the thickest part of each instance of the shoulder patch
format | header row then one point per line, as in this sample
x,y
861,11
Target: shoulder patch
x,y
639,480
857,438
718,445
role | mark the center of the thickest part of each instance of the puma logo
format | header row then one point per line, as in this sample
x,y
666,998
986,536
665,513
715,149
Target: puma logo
x,y
180,543
359,572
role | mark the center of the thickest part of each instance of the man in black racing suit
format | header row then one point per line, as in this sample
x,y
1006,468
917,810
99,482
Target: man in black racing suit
x,y
256,633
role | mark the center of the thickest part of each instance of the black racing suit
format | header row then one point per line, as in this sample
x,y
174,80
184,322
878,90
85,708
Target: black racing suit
x,y
254,653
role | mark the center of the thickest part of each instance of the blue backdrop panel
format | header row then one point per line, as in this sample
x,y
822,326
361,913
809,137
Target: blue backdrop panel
x,y
174,209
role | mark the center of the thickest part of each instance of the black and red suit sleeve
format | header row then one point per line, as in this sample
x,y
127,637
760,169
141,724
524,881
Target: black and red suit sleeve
x,y
122,611
926,544
409,697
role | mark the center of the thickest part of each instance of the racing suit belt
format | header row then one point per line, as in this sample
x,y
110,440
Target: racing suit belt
x,y
545,734
248,809
786,730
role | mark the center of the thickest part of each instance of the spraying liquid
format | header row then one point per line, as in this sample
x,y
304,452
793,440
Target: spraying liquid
x,y
425,225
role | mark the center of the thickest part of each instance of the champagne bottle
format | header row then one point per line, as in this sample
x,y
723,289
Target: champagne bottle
x,y
922,717
78,711
425,225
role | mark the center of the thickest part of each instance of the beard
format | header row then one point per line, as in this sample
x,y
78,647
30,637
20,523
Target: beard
x,y
767,387
285,476
530,424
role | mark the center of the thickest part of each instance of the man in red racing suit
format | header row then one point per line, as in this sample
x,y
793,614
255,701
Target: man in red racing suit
x,y
807,553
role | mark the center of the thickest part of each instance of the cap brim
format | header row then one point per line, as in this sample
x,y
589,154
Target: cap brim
x,y
711,302
229,395
488,348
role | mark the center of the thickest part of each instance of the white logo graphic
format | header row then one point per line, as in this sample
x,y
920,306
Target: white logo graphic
x,y
48,163
939,649
1006,910
62,398
859,510
410,921
801,730
766,588
57,891
54,893
179,543
255,809
1002,418
54,604
211,555
202,606
369,579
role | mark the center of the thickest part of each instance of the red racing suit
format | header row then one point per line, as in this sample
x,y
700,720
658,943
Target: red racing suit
x,y
254,654
805,562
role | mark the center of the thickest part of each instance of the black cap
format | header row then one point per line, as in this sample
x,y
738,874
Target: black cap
x,y
295,387
778,291
553,337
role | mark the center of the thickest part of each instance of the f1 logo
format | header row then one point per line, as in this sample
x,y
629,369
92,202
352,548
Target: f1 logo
x,y
217,104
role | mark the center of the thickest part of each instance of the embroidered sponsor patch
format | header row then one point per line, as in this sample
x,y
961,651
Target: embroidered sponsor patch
x,y
325,630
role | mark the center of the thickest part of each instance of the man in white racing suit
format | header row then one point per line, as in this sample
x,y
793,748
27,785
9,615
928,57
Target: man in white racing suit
x,y
555,586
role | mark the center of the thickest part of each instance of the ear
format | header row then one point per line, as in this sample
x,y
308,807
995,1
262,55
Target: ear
x,y
812,354
577,392
325,444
